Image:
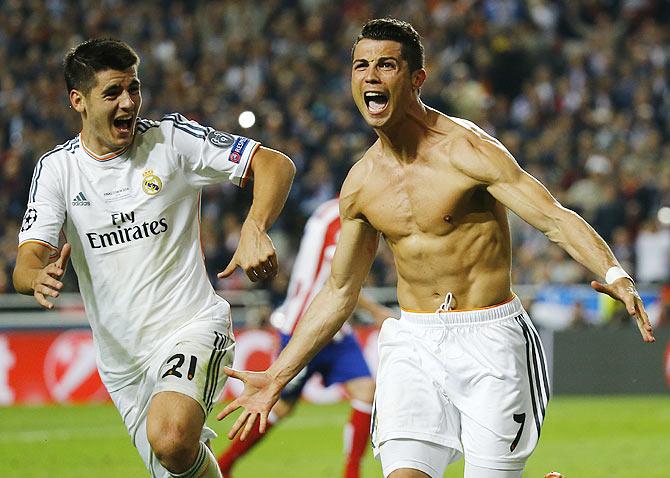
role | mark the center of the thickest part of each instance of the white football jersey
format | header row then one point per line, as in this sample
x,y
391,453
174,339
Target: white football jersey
x,y
132,218
311,268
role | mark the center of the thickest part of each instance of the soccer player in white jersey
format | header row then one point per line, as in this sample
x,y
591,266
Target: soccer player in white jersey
x,y
341,361
125,193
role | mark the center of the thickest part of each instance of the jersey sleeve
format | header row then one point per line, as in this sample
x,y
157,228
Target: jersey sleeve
x,y
209,156
45,213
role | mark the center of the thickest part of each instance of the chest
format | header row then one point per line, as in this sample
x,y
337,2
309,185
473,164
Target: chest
x,y
426,198
124,194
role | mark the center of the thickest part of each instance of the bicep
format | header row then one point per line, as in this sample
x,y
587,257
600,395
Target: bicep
x,y
268,159
490,164
355,252
526,197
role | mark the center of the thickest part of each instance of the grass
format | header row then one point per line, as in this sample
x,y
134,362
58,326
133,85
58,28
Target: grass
x,y
593,437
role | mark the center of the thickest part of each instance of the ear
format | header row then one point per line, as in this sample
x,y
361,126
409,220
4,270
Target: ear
x,y
418,77
77,101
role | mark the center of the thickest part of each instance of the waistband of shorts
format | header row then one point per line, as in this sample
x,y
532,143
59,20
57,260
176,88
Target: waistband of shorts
x,y
510,308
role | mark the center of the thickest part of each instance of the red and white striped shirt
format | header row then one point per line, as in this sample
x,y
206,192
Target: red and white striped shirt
x,y
311,267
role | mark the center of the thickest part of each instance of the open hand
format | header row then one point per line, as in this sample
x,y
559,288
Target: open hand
x,y
259,395
624,291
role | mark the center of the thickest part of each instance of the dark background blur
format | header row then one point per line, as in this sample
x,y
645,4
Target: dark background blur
x,y
578,91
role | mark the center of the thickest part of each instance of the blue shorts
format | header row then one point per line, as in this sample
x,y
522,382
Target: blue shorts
x,y
338,362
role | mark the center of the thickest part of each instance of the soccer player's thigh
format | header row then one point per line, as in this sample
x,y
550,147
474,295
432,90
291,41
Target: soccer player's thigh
x,y
189,379
503,408
403,458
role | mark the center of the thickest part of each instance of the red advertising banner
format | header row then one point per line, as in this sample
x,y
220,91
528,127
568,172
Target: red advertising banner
x,y
59,366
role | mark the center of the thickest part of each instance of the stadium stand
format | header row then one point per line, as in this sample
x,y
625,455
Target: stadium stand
x,y
579,92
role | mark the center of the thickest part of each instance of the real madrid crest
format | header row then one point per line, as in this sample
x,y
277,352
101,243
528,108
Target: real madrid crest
x,y
151,184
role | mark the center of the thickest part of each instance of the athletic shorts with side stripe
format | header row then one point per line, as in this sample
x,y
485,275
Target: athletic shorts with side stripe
x,y
475,381
190,363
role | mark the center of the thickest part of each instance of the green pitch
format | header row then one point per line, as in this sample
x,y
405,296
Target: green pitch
x,y
594,437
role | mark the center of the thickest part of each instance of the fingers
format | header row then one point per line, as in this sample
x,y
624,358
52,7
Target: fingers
x,y
230,268
249,426
274,263
265,270
634,306
602,288
39,297
231,372
49,286
64,256
228,409
643,323
237,426
264,422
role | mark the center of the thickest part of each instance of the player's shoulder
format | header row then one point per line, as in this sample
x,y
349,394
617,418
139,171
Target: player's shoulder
x,y
144,125
463,132
363,167
475,152
171,122
358,174
354,184
60,154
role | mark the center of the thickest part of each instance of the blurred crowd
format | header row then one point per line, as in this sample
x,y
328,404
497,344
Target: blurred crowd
x,y
578,91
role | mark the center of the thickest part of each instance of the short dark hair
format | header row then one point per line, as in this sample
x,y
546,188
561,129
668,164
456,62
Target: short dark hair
x,y
99,54
397,30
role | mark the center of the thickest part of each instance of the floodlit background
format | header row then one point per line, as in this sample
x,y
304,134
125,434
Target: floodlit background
x,y
578,91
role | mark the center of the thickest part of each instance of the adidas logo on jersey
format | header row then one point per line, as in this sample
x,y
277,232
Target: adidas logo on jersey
x,y
80,200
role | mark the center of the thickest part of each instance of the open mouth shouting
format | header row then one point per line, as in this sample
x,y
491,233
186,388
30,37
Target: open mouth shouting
x,y
375,101
124,125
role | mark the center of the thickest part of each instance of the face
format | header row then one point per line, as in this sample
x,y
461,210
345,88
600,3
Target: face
x,y
109,110
381,83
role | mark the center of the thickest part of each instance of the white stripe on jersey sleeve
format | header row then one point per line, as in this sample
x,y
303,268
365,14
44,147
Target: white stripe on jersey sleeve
x,y
208,156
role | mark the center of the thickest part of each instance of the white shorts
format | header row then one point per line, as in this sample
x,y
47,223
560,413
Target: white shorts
x,y
474,381
190,364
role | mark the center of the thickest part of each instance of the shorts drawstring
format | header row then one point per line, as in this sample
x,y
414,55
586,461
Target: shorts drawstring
x,y
444,307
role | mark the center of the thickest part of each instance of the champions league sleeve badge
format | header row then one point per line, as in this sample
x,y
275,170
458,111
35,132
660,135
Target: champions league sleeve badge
x,y
29,219
220,139
151,184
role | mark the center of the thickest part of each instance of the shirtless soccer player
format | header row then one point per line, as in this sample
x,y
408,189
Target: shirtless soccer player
x,y
462,371
126,194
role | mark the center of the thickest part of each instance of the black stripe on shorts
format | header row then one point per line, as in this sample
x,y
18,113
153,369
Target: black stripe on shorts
x,y
533,352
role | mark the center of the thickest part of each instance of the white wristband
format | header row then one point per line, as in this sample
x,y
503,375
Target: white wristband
x,y
615,273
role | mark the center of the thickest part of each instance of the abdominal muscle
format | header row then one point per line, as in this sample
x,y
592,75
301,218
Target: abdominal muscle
x,y
473,263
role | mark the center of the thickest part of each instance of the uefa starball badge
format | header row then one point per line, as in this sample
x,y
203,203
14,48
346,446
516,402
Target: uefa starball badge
x,y
151,184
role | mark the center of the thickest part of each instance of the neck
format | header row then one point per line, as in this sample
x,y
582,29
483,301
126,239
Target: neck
x,y
94,147
401,139
99,152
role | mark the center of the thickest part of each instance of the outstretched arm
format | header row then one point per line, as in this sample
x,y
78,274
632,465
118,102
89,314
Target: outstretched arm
x,y
489,163
273,174
36,274
330,308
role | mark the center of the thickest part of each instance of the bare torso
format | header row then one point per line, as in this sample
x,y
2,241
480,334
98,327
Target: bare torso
x,y
446,232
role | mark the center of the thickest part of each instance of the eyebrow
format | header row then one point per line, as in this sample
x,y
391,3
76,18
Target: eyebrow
x,y
114,86
380,59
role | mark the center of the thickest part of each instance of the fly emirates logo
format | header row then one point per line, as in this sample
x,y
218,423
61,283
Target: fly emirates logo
x,y
126,231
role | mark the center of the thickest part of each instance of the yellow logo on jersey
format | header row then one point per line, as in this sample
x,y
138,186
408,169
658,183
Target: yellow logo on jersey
x,y
151,184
